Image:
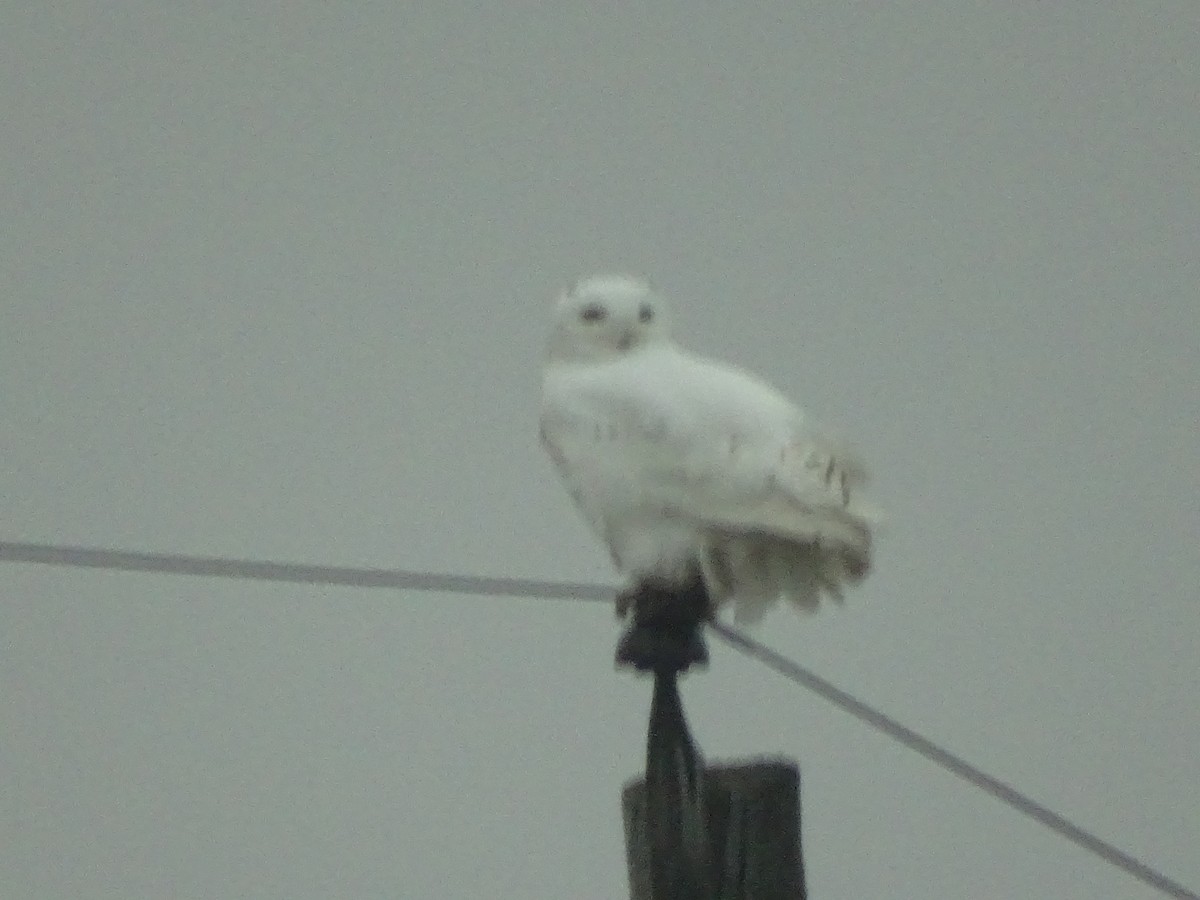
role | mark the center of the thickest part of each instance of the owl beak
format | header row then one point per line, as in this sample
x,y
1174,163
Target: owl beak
x,y
625,341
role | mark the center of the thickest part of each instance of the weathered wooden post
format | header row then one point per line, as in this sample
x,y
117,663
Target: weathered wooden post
x,y
691,832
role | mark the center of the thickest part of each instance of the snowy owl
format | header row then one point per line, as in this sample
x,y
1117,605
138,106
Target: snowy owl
x,y
688,468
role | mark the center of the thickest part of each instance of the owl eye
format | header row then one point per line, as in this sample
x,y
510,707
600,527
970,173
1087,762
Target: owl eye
x,y
645,313
593,312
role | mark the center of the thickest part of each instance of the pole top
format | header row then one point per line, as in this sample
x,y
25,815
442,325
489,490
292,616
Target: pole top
x,y
665,633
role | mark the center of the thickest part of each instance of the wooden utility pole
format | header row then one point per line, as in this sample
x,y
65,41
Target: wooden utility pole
x,y
692,832
752,815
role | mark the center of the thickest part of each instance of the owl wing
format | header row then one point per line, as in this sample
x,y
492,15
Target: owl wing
x,y
707,443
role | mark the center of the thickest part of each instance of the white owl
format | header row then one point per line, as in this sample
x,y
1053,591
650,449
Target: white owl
x,y
686,467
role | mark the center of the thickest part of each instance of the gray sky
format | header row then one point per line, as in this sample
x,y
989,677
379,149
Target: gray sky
x,y
275,283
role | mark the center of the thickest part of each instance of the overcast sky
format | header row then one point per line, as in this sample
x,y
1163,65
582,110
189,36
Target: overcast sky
x,y
274,283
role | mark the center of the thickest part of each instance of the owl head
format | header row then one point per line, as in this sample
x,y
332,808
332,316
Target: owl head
x,y
606,317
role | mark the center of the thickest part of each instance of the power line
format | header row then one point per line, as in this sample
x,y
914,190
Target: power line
x,y
398,579
956,764
297,573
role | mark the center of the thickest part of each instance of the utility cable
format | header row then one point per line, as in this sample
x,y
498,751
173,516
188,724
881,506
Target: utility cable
x,y
399,579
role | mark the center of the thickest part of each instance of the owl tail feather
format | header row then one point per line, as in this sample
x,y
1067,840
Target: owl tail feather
x,y
753,573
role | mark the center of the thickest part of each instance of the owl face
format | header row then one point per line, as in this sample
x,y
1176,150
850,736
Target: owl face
x,y
607,316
